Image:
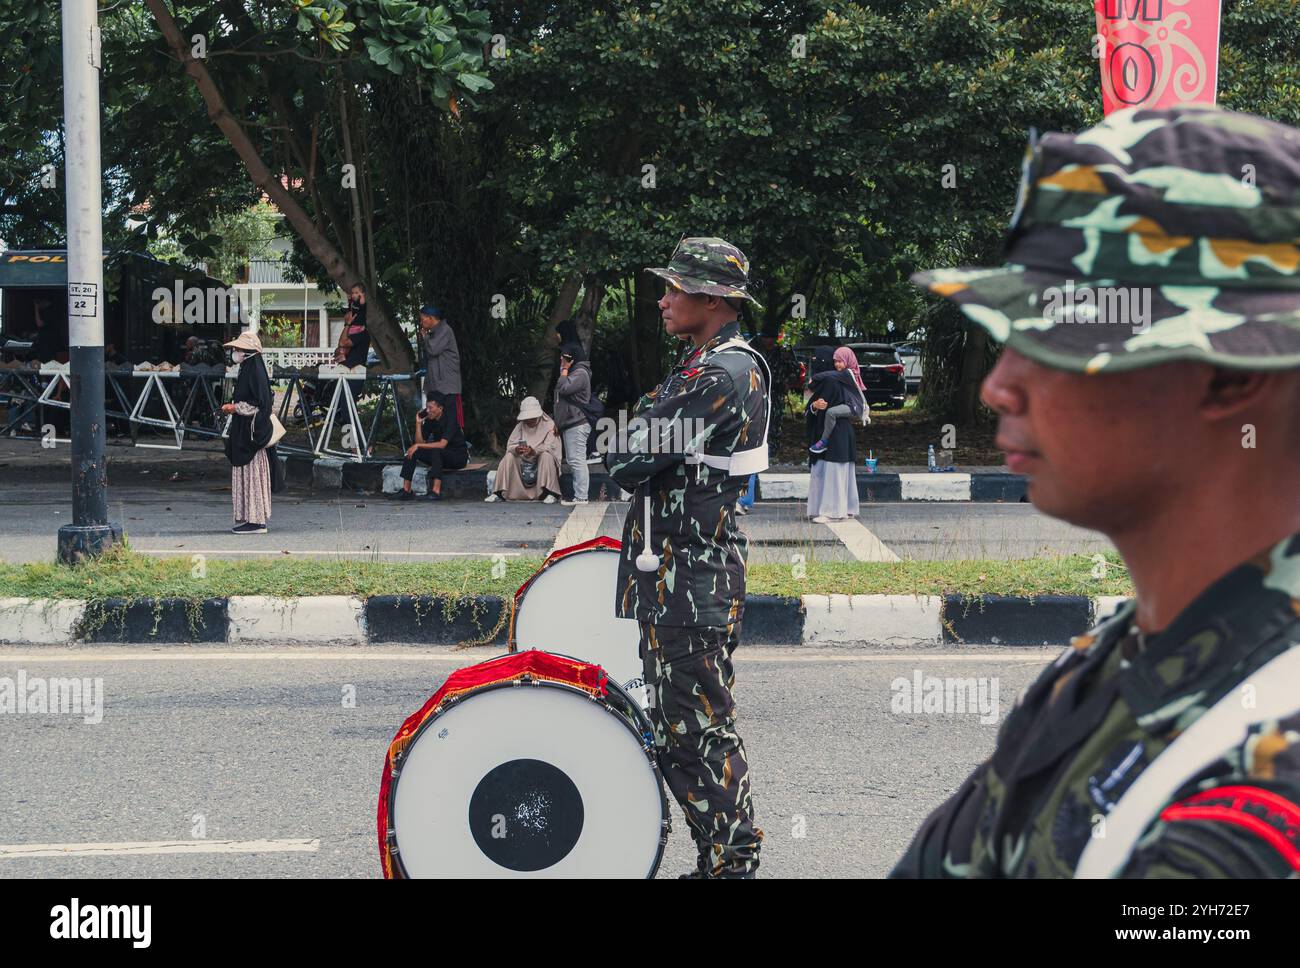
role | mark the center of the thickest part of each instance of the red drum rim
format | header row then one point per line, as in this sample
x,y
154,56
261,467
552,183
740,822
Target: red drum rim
x,y
532,668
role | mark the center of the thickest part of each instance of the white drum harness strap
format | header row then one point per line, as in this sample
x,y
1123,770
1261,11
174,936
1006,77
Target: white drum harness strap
x,y
1217,731
742,463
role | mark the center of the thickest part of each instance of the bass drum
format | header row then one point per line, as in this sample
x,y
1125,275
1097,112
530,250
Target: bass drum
x,y
529,765
569,605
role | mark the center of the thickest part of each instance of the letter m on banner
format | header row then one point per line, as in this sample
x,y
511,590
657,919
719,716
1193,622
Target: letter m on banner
x,y
1134,10
1158,53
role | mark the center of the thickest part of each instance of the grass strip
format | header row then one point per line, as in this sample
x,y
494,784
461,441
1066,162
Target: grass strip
x,y
127,575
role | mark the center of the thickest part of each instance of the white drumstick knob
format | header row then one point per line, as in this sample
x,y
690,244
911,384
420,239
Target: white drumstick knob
x,y
647,560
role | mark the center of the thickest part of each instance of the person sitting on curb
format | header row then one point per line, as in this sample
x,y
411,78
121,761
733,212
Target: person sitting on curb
x,y
530,468
439,444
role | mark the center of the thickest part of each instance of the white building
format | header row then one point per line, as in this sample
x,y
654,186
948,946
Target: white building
x,y
270,293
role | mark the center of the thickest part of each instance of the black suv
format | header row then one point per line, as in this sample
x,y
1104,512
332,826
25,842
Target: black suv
x,y
882,370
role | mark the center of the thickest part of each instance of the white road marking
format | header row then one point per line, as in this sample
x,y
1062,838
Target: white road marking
x,y
582,524
289,552
861,541
745,654
17,851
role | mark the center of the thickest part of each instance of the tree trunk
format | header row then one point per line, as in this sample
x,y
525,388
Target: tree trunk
x,y
972,375
561,310
354,194
647,330
389,340
593,291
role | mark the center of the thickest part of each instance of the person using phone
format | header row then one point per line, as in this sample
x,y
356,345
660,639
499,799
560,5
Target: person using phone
x,y
530,468
439,445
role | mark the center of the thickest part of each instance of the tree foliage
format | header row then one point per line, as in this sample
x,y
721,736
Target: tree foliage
x,y
521,162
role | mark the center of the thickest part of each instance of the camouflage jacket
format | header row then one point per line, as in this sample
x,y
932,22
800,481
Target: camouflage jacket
x,y
1079,737
716,401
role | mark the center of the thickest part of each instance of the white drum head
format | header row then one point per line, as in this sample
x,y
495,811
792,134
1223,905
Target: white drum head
x,y
569,608
528,781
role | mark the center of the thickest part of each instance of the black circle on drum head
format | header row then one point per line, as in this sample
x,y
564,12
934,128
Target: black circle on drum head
x,y
526,815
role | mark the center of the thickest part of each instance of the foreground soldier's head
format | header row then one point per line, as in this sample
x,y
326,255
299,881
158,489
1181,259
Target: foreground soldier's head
x,y
1149,387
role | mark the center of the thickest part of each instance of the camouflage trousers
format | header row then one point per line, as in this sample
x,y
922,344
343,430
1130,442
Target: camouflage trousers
x,y
689,674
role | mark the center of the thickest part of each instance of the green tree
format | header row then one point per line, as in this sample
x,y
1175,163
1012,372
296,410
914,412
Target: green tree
x,y
819,136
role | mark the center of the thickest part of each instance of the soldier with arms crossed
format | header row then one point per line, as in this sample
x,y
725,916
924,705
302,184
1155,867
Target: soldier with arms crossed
x,y
705,432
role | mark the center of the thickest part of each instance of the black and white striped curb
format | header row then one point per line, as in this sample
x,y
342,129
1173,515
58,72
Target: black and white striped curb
x,y
335,474
867,620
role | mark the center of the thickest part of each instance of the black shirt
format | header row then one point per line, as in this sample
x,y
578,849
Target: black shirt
x,y
50,340
446,428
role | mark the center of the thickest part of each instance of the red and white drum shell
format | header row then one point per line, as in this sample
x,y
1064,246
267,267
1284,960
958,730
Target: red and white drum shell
x,y
568,607
528,765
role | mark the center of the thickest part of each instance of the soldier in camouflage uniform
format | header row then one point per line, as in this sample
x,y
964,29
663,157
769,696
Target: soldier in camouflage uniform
x,y
690,601
1166,741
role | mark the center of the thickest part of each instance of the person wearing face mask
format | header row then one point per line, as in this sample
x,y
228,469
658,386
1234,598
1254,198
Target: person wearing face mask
x,y
572,397
249,437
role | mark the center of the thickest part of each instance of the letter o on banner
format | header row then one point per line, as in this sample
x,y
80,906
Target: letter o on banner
x,y
1155,54
1132,73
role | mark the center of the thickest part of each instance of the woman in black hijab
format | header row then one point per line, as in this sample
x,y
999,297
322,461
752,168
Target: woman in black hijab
x,y
249,437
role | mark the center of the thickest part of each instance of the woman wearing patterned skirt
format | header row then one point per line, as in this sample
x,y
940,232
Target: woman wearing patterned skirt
x,y
250,434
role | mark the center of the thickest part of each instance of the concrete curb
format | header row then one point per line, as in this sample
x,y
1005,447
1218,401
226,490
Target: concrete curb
x,y
46,621
873,619
330,473
1013,620
860,620
155,620
317,619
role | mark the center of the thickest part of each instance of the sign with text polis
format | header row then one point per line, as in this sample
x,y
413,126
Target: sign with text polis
x,y
1157,53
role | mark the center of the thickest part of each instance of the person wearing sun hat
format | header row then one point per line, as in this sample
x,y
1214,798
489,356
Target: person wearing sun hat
x,y
1149,388
530,468
249,436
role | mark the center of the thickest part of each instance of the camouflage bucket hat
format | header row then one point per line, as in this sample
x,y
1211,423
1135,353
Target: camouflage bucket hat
x,y
712,267
1154,236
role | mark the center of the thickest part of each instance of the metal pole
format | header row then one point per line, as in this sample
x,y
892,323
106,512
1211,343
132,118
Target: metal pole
x,y
90,532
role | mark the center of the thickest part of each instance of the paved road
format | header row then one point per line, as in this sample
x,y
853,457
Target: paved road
x,y
261,746
190,517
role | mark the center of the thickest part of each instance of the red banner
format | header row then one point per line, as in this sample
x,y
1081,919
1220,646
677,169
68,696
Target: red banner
x,y
1157,53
